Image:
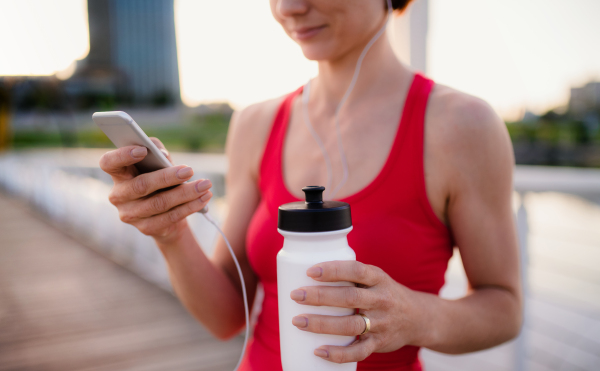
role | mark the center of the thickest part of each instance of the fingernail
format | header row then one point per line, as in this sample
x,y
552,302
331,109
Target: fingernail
x,y
321,353
314,272
206,197
139,152
165,152
185,172
203,185
298,295
300,321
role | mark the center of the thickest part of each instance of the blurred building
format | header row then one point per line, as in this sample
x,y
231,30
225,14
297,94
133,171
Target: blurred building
x,y
585,100
133,53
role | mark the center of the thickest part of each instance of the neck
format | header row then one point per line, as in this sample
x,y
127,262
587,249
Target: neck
x,y
381,71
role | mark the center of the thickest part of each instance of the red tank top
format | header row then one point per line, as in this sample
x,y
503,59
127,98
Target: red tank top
x,y
395,229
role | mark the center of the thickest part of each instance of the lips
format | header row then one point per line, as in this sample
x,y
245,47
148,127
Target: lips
x,y
305,33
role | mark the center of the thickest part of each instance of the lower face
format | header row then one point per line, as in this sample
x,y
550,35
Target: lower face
x,y
329,29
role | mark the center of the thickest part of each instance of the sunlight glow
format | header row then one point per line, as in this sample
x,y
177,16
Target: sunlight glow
x,y
234,50
40,37
515,54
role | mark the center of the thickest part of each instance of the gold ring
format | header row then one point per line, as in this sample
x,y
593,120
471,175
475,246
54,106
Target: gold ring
x,y
367,324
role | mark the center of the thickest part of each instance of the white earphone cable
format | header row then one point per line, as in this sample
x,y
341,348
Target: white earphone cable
x,y
327,163
239,269
345,170
305,96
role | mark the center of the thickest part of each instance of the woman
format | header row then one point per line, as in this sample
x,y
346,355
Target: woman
x,y
430,169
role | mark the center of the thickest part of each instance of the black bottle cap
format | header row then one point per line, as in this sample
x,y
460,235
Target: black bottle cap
x,y
314,214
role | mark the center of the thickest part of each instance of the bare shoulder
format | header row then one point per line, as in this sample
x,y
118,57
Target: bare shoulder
x,y
248,132
466,139
464,120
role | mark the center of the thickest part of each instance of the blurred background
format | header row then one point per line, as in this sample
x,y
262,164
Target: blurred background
x,y
79,290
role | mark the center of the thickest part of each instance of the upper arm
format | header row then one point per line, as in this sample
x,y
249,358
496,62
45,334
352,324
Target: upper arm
x,y
248,131
479,165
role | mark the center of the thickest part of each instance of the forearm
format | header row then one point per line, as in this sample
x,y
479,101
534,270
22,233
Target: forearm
x,y
203,288
485,318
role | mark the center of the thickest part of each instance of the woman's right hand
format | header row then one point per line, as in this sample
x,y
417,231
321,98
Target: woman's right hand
x,y
161,215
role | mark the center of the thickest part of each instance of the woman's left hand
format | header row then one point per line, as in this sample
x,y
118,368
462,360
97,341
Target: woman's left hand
x,y
385,302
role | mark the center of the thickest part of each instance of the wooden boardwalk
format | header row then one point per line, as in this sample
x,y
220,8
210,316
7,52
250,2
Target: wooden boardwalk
x,y
64,307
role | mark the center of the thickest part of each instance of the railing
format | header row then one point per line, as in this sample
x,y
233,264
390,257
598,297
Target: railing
x,y
70,189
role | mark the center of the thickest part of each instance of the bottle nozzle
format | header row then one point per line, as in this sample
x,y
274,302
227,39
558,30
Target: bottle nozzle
x,y
313,194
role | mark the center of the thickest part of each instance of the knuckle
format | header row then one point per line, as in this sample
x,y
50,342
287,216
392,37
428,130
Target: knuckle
x,y
182,212
103,163
196,206
189,192
379,273
174,216
320,326
384,300
318,293
165,178
360,270
124,154
190,208
350,326
342,357
125,217
356,326
140,185
335,356
352,296
337,269
159,203
113,198
115,158
363,353
145,229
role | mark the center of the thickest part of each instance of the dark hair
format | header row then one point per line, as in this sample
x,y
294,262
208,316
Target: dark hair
x,y
400,5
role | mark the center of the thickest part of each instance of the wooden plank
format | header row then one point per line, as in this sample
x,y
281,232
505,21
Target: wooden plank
x,y
64,307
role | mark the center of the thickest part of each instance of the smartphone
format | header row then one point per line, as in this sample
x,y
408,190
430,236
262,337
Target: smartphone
x,y
120,128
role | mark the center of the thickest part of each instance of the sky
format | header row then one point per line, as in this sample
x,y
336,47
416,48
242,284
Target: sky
x,y
42,37
516,54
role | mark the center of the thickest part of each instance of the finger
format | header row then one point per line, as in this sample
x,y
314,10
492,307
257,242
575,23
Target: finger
x,y
162,148
116,162
164,221
145,184
350,271
335,325
354,352
334,296
165,201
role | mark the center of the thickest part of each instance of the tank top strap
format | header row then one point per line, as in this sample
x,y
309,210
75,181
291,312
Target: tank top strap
x,y
407,173
410,154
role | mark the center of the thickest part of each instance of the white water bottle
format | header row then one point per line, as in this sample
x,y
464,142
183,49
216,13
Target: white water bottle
x,y
314,232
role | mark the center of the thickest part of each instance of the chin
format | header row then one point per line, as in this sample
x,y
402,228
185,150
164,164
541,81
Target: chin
x,y
316,52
